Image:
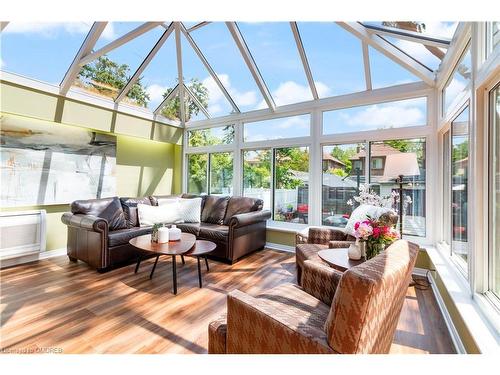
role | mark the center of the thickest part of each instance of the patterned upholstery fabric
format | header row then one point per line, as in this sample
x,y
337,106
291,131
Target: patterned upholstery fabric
x,y
217,331
320,281
324,235
305,252
339,244
366,307
284,320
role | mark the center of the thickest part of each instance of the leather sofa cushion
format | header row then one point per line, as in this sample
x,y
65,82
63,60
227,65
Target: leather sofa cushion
x,y
122,236
129,206
241,205
154,198
109,209
193,228
214,232
214,209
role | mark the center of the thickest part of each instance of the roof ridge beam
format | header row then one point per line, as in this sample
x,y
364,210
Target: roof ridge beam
x,y
144,64
87,45
389,51
205,62
138,31
180,76
252,66
303,57
197,26
197,101
366,63
169,97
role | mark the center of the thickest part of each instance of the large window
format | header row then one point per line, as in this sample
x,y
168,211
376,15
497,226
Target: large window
x,y
210,173
291,171
458,81
414,187
285,127
398,114
211,136
257,175
459,186
343,172
494,257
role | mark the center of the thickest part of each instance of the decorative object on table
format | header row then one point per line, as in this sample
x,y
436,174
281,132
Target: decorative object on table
x,y
163,235
398,166
354,251
376,234
174,233
154,232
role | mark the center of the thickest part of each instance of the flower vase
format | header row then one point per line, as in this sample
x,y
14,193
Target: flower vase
x,y
373,249
362,248
354,251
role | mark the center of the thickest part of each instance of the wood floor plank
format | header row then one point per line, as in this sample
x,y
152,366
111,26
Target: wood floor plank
x,y
55,303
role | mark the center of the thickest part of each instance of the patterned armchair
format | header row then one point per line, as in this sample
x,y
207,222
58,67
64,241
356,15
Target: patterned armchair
x,y
312,240
352,312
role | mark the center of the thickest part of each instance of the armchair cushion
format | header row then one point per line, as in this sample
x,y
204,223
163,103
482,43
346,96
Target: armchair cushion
x,y
320,281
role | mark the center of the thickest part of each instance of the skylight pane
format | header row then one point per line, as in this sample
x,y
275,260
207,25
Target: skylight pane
x,y
108,74
206,89
335,58
218,47
429,56
385,72
273,47
428,28
42,51
398,114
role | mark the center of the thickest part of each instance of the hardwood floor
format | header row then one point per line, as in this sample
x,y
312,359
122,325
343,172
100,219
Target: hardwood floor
x,y
58,304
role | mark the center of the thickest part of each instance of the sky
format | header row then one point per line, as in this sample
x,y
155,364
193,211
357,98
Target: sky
x,y
44,51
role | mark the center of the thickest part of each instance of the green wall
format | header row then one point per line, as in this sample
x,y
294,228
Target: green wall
x,y
148,155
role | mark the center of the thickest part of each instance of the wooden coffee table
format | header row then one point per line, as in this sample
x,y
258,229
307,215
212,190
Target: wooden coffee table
x,y
338,259
172,248
201,249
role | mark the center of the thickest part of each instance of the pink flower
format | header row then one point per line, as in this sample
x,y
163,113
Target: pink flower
x,y
356,225
376,232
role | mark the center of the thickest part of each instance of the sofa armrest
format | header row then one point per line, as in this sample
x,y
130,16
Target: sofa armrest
x,y
85,222
217,332
255,326
320,280
249,218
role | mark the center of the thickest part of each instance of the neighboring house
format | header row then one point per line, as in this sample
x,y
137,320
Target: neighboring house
x,y
331,162
379,153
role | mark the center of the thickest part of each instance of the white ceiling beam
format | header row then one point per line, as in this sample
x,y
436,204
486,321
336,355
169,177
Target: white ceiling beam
x,y
182,95
197,26
366,62
142,29
389,51
252,66
197,101
3,25
411,36
169,97
87,45
212,73
144,64
303,57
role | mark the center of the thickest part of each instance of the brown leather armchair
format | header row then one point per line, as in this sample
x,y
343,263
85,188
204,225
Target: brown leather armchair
x,y
337,313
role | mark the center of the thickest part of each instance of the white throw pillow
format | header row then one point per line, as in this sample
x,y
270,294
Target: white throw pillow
x,y
190,210
361,213
166,213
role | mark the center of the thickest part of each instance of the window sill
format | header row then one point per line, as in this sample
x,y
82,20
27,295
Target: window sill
x,y
471,307
280,226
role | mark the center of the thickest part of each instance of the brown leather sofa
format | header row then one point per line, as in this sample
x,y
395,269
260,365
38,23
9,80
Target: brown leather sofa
x,y
331,313
99,229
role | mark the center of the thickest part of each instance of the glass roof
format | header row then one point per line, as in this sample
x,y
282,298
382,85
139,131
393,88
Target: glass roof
x,y
274,50
45,51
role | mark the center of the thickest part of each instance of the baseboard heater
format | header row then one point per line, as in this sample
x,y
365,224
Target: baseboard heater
x,y
22,233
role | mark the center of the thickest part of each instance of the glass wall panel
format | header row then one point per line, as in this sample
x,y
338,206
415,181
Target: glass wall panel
x,y
286,127
459,184
385,72
197,173
221,173
257,175
414,187
342,174
398,114
291,194
458,81
211,136
446,187
494,259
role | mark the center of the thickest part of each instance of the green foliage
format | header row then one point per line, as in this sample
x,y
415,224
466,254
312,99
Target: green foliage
x,y
460,151
288,160
108,77
257,174
339,172
197,173
221,171
408,145
344,155
205,137
173,108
